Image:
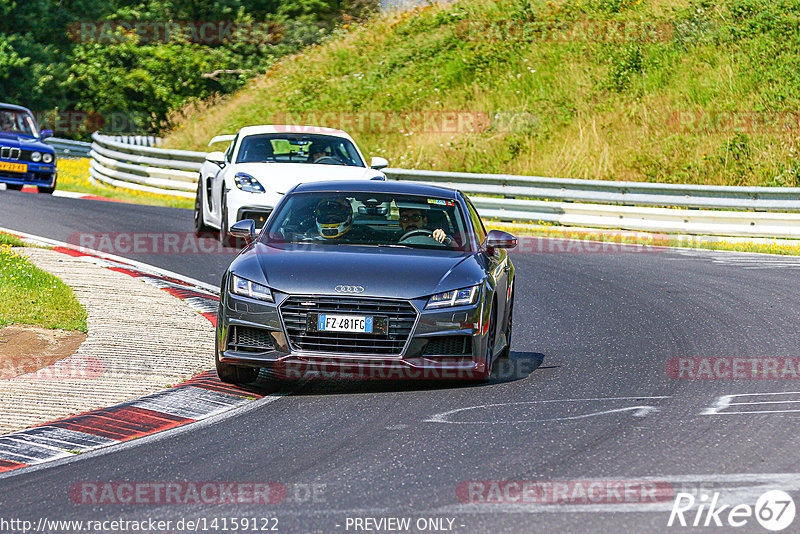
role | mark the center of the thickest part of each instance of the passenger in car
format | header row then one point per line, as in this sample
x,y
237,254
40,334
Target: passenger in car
x,y
414,219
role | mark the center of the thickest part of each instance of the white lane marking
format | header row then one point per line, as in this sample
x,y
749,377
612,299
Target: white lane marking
x,y
724,402
638,411
744,260
734,489
70,194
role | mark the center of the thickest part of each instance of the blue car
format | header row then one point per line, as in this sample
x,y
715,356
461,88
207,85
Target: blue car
x,y
24,157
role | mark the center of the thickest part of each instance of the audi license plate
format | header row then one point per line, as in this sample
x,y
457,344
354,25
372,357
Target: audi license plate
x,y
359,324
13,167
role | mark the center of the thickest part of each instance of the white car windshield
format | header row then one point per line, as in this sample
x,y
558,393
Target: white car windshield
x,y
17,122
370,219
298,148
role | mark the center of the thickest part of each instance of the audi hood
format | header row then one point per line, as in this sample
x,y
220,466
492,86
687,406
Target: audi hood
x,y
389,272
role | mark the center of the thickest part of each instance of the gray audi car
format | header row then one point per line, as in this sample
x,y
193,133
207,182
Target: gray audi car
x,y
365,280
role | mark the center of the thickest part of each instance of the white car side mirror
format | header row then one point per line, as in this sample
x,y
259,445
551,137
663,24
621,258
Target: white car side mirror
x,y
216,157
379,163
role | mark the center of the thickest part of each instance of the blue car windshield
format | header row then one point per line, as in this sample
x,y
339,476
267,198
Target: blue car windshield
x,y
369,219
17,122
298,148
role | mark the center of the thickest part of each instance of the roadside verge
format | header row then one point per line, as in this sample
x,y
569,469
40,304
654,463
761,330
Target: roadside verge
x,y
141,370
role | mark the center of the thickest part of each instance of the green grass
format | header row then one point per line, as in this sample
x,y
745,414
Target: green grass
x,y
73,175
10,240
31,296
710,100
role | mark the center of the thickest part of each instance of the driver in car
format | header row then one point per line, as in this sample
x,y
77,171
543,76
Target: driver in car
x,y
334,223
415,219
318,151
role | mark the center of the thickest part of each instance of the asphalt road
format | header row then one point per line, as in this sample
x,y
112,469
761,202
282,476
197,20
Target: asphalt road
x,y
157,236
587,397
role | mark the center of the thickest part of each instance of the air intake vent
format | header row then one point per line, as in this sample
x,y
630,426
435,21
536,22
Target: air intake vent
x,y
247,339
447,346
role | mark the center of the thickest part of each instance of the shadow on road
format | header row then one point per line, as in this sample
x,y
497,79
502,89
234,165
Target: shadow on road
x,y
518,366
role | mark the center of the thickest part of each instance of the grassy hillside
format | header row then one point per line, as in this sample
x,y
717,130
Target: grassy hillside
x,y
670,91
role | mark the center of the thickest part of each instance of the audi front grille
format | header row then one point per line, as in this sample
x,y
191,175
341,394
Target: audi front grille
x,y
401,318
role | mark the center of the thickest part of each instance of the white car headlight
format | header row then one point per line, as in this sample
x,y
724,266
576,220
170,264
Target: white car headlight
x,y
246,288
36,156
245,182
47,158
458,297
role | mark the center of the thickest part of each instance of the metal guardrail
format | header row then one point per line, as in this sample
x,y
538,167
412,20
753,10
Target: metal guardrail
x,y
141,140
612,192
668,208
136,165
67,148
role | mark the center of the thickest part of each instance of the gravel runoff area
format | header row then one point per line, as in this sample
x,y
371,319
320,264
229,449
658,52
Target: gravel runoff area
x,y
140,340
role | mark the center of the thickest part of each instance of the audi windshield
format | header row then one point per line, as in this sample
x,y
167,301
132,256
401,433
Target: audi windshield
x,y
369,219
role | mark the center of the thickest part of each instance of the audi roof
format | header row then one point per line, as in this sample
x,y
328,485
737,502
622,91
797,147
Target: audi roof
x,y
375,186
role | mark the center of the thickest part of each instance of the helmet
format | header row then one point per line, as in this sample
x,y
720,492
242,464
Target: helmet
x,y
334,217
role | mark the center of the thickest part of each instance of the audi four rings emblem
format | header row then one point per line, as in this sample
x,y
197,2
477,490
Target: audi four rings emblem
x,y
349,289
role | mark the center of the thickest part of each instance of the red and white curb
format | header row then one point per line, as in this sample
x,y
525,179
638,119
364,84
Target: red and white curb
x,y
199,398
71,194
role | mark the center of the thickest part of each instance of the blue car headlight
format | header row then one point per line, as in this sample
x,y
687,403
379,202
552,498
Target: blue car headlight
x,y
246,288
458,297
245,182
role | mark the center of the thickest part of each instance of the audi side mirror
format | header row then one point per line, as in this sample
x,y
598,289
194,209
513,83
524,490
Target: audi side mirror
x,y
498,239
216,157
245,229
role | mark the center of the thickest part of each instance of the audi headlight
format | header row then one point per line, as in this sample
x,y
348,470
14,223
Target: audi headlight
x,y
47,158
36,156
458,297
246,288
245,182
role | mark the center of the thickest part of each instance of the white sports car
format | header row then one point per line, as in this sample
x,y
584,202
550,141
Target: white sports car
x,y
262,163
